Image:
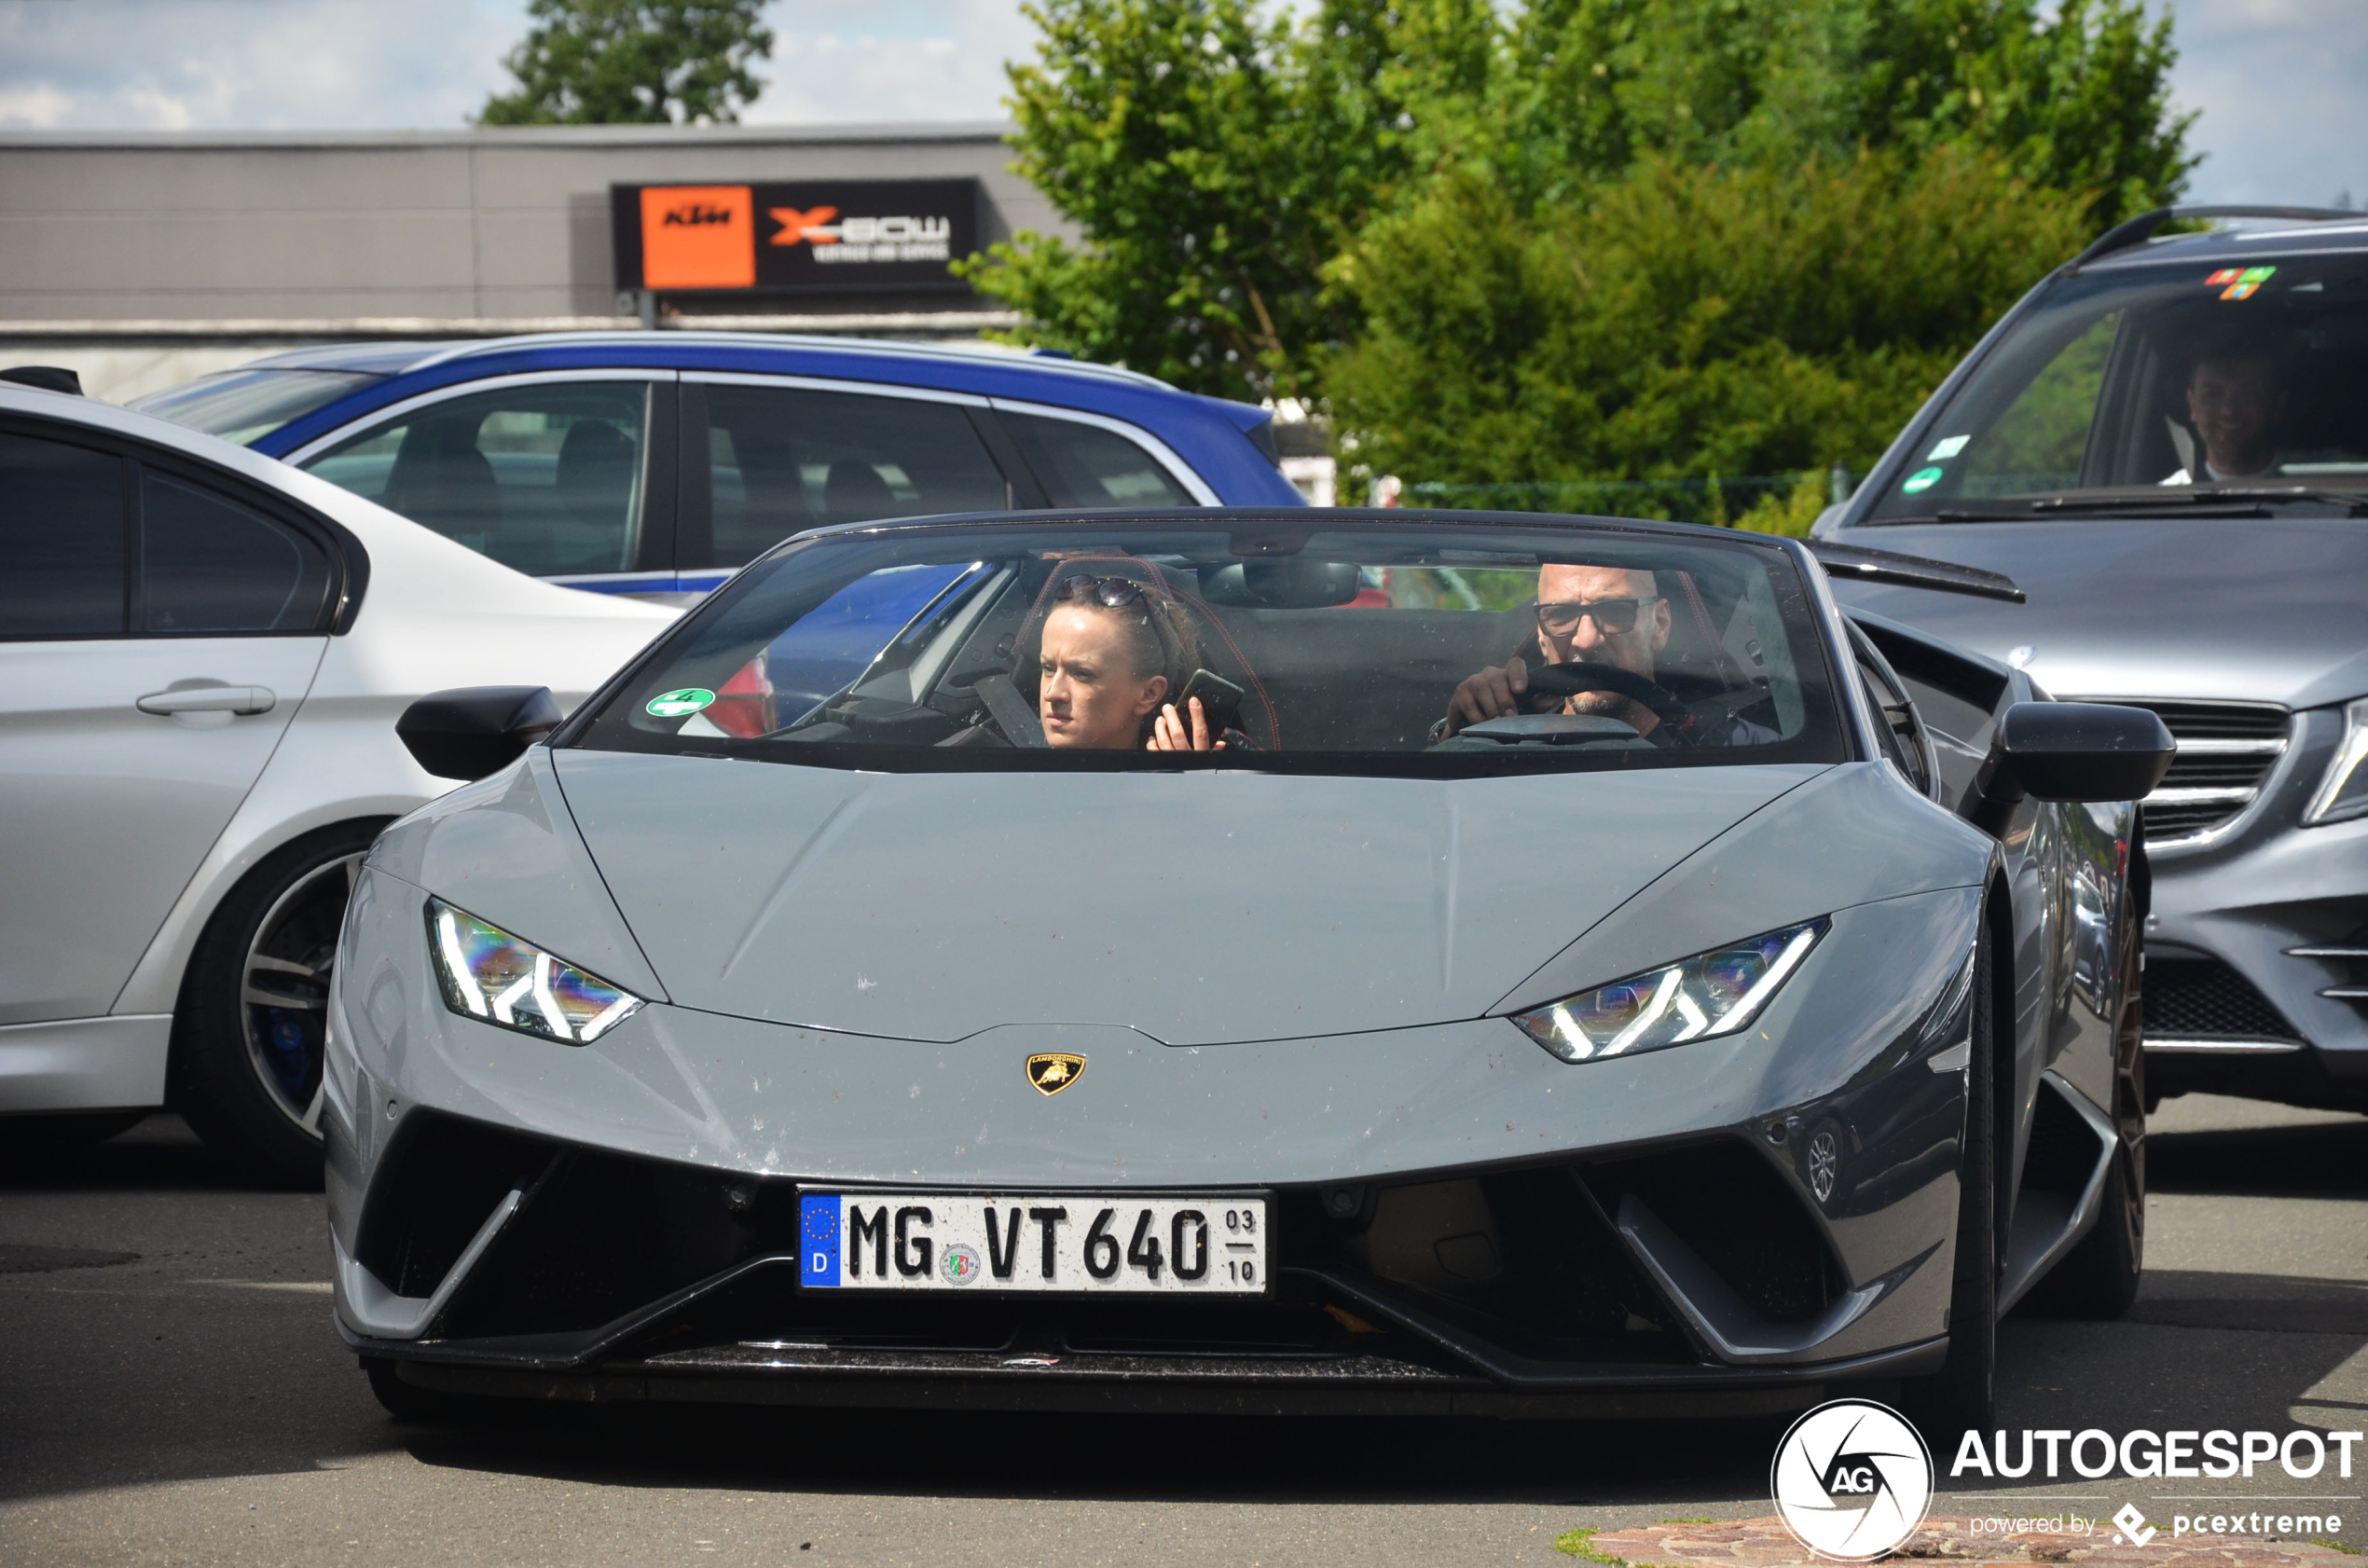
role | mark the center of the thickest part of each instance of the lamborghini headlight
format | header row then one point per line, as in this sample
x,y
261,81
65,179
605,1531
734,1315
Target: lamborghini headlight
x,y
488,973
2343,795
1710,993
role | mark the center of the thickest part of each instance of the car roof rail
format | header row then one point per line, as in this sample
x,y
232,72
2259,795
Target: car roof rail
x,y
2136,230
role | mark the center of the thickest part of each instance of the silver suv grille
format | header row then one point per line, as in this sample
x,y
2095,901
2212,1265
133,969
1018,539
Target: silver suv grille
x,y
2225,750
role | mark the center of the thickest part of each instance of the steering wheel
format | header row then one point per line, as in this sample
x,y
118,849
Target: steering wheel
x,y
1568,681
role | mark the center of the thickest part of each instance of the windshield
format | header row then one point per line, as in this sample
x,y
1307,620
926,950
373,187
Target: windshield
x,y
2185,376
246,405
1421,647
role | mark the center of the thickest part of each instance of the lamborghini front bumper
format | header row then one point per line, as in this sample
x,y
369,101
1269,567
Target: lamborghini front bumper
x,y
1462,1223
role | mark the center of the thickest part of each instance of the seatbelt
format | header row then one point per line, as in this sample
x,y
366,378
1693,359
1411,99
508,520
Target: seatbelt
x,y
1013,717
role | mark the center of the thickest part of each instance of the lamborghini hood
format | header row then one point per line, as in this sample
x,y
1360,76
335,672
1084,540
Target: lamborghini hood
x,y
1198,908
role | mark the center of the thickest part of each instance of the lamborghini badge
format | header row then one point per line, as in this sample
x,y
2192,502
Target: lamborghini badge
x,y
1055,1071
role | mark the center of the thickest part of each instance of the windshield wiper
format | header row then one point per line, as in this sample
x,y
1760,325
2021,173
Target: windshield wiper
x,y
2246,500
1858,563
2154,499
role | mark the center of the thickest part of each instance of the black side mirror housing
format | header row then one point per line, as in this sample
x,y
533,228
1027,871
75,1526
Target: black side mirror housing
x,y
2076,751
48,377
471,731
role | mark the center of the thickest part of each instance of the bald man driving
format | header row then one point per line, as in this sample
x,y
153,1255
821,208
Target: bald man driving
x,y
1599,615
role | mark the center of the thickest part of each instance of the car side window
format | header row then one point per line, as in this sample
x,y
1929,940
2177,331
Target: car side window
x,y
212,565
542,477
2038,442
784,459
1086,465
64,544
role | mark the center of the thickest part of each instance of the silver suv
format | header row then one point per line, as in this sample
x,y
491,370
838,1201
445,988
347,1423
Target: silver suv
x,y
2166,445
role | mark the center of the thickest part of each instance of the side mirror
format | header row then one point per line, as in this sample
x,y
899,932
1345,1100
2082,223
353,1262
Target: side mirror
x,y
48,377
471,731
2076,751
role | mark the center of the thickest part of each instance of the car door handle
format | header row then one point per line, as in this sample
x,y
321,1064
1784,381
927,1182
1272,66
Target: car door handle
x,y
210,699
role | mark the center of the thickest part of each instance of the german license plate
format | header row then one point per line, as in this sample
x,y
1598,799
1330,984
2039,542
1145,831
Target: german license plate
x,y
1087,1242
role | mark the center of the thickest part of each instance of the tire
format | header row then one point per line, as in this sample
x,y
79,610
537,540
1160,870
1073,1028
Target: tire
x,y
408,1401
2098,1279
1962,1395
248,1035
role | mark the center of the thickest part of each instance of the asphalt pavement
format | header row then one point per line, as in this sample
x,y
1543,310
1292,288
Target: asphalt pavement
x,y
171,1392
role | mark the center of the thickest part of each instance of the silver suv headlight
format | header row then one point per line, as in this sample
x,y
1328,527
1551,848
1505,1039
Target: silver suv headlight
x,y
1710,993
488,974
2343,795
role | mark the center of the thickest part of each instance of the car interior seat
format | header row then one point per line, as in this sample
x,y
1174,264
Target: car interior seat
x,y
595,485
854,492
2327,394
441,480
771,504
1692,662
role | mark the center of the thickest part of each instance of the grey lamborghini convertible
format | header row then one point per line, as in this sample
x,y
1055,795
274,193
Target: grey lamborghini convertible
x,y
1250,961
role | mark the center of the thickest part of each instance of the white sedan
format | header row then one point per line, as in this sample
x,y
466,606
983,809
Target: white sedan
x,y
202,658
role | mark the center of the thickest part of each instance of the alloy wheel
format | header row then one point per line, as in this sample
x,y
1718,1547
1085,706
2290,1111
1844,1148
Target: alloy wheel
x,y
284,988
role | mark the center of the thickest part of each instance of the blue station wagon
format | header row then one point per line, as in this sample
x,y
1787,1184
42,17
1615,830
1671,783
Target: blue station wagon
x,y
658,463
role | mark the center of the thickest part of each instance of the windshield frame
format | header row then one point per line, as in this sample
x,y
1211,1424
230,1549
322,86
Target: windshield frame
x,y
1828,733
2135,271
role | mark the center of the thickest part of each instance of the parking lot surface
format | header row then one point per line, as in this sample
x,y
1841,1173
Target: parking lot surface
x,y
172,1391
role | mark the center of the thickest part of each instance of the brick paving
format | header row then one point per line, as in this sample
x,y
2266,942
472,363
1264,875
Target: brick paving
x,y
1765,1542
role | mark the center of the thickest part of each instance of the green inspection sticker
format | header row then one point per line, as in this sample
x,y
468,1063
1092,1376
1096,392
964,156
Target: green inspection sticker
x,y
1922,480
680,703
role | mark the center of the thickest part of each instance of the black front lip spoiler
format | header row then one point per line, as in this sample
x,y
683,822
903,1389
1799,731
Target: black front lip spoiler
x,y
996,1381
588,1366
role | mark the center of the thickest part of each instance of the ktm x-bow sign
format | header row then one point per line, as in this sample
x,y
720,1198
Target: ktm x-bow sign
x,y
803,237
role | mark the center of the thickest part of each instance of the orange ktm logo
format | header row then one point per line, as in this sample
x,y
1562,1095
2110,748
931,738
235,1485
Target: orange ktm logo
x,y
798,225
697,237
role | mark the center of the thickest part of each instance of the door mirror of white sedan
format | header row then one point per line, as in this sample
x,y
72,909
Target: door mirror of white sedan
x,y
2077,751
471,731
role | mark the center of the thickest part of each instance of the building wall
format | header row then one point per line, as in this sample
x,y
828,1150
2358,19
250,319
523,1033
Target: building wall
x,y
118,373
475,225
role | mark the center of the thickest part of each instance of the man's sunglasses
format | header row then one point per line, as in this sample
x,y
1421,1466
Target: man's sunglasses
x,y
1613,617
1111,591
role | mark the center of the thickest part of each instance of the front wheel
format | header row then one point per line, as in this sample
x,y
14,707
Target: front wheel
x,y
1962,1395
249,1036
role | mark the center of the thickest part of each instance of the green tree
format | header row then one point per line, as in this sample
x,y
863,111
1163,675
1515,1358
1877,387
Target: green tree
x,y
1214,160
1685,321
2076,97
1276,208
633,63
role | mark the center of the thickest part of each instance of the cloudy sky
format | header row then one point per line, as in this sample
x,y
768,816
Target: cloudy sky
x,y
2282,85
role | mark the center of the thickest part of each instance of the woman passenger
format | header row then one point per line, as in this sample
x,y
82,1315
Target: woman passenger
x,y
1113,651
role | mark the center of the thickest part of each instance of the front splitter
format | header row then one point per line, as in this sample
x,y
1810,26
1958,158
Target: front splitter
x,y
796,1374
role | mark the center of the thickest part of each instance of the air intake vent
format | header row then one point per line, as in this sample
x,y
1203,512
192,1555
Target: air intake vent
x,y
2225,751
2203,999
